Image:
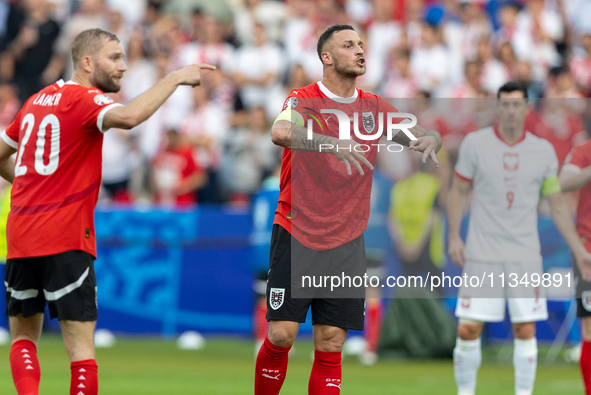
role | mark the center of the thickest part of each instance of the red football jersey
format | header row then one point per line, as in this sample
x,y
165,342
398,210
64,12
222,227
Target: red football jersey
x,y
319,203
577,159
58,137
562,129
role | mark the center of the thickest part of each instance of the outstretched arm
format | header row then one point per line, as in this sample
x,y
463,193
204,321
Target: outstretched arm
x,y
146,104
428,142
290,135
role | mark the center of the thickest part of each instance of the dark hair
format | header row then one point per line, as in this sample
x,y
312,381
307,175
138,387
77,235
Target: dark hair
x,y
89,42
512,86
324,37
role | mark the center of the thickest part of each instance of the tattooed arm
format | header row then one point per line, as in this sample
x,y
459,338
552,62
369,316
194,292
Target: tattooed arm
x,y
291,136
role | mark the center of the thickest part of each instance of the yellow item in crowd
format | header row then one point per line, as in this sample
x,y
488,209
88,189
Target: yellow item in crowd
x,y
412,203
4,210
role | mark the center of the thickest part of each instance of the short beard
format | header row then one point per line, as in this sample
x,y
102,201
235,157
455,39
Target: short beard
x,y
347,72
101,80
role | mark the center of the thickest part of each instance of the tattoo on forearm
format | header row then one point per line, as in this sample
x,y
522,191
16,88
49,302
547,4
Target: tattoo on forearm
x,y
296,138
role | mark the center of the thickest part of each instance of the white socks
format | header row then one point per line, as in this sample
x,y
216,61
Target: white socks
x,y
525,361
467,358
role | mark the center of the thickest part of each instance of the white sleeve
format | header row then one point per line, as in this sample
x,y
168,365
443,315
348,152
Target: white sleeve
x,y
466,164
101,116
552,166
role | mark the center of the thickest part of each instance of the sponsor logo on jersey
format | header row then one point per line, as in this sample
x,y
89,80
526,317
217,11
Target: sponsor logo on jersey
x,y
511,161
101,100
276,297
466,303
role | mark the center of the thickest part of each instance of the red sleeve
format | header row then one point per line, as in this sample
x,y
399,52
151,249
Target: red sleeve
x,y
579,156
94,104
10,135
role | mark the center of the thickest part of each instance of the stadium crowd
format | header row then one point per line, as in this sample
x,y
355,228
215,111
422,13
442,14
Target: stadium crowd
x,y
213,144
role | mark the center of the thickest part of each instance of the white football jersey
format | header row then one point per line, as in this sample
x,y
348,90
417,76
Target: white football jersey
x,y
506,188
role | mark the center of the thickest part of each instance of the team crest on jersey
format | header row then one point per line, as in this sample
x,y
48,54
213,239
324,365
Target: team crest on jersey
x,y
292,102
586,299
511,161
368,121
276,297
101,100
466,303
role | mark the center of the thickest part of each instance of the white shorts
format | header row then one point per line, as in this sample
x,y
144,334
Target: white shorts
x,y
487,304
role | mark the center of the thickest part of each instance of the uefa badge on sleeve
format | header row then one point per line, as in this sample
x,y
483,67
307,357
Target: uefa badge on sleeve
x,y
101,100
276,297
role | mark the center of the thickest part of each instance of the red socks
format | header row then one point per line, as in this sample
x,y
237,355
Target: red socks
x,y
27,374
24,365
325,378
373,324
84,378
585,363
271,367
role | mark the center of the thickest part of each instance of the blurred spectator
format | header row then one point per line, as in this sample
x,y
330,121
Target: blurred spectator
x,y
223,91
562,85
11,19
400,83
580,66
524,76
508,25
250,156
492,73
165,38
205,129
257,69
91,14
430,63
9,103
383,33
462,38
212,50
300,38
32,47
130,10
176,176
118,27
118,160
268,13
509,60
141,71
469,88
413,19
538,30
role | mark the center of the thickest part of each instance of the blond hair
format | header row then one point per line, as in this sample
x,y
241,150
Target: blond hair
x,y
89,43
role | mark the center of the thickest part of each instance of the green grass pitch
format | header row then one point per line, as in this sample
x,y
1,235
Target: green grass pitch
x,y
156,367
